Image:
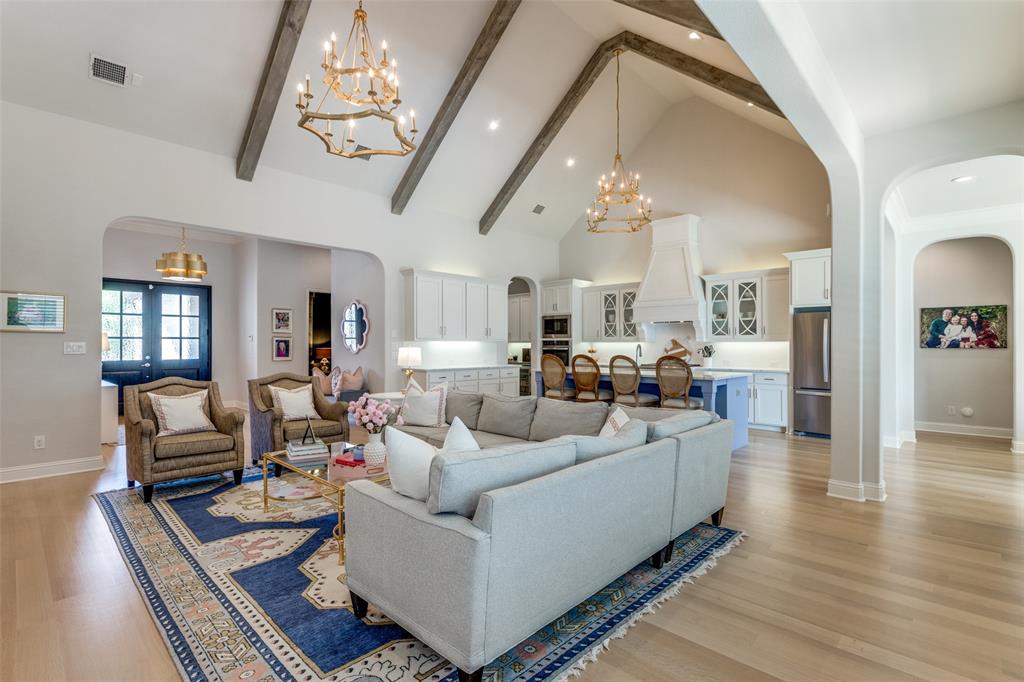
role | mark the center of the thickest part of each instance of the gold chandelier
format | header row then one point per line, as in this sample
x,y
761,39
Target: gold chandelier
x,y
368,87
180,265
619,206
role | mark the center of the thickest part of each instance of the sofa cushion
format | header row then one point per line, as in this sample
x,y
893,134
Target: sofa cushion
x,y
465,406
457,479
633,434
434,435
554,418
294,430
506,415
678,421
195,443
486,439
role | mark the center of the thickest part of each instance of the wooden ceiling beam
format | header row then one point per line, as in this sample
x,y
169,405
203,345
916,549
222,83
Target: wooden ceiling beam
x,y
686,13
579,88
472,67
275,71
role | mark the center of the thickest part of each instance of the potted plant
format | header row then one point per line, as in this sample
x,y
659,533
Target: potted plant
x,y
373,416
706,352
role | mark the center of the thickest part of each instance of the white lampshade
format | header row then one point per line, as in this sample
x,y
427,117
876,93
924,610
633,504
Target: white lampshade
x,y
410,356
104,342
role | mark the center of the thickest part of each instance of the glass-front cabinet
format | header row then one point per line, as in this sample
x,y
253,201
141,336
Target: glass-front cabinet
x,y
720,309
629,325
748,306
608,313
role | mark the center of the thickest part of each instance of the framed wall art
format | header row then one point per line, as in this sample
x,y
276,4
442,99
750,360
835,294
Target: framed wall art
x,y
32,312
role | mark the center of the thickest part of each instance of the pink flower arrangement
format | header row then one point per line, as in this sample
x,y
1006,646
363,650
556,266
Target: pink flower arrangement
x,y
371,414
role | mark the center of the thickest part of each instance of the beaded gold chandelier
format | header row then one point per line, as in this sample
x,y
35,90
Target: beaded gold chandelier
x,y
619,206
180,265
367,90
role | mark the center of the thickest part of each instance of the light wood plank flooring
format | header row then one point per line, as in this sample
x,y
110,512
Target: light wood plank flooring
x,y
929,585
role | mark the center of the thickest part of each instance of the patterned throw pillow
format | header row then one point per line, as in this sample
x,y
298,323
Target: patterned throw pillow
x,y
295,403
616,420
423,408
176,414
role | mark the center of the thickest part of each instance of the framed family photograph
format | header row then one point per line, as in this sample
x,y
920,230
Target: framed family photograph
x,y
29,312
282,348
964,327
282,320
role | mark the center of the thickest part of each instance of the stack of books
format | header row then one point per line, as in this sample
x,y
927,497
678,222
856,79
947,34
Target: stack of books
x,y
300,452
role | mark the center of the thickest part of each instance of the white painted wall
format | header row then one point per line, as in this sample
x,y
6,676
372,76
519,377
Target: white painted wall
x,y
61,192
758,194
972,271
357,276
128,254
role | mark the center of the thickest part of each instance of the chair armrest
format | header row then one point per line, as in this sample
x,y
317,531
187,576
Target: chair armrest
x,y
427,572
337,412
228,420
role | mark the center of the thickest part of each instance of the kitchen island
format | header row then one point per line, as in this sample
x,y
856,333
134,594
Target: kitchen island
x,y
724,393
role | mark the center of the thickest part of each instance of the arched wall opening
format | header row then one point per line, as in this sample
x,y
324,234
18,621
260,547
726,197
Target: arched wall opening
x,y
527,349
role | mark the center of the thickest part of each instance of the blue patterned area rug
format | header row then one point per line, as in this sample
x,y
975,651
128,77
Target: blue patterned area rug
x,y
240,594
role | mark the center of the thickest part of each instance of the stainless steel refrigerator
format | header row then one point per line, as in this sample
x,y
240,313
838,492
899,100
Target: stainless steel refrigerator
x,y
812,372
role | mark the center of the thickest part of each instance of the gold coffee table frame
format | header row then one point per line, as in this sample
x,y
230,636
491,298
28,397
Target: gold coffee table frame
x,y
332,491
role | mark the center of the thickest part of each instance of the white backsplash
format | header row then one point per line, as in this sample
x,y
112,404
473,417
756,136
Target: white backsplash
x,y
752,355
459,353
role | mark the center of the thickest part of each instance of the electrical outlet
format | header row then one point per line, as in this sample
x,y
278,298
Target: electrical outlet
x,y
74,348
951,410
39,442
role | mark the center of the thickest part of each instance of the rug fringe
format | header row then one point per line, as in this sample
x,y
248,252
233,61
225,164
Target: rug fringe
x,y
577,668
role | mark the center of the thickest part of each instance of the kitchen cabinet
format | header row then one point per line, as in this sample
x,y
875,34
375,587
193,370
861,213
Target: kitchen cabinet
x,y
748,306
454,308
503,379
520,318
556,299
768,400
608,313
811,278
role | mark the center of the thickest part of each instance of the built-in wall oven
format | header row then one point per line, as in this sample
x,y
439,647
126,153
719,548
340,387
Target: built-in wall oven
x,y
560,348
556,326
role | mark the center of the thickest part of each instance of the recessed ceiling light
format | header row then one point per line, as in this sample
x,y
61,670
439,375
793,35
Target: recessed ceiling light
x,y
570,162
493,125
750,104
963,178
694,35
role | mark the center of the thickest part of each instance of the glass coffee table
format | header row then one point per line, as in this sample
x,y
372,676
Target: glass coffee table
x,y
328,478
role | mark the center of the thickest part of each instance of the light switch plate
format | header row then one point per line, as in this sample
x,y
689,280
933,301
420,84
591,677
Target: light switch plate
x,y
74,348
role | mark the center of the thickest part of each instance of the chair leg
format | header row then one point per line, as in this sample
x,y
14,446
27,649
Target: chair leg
x,y
716,518
131,483
359,605
238,476
475,676
147,493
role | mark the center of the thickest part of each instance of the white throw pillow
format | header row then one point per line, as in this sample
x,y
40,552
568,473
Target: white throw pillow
x,y
295,403
459,438
181,413
408,463
616,420
423,408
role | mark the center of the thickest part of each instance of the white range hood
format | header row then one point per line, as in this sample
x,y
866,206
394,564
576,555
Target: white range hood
x,y
672,290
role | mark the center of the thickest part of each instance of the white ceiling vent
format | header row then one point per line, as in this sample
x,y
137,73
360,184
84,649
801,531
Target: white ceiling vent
x,y
102,69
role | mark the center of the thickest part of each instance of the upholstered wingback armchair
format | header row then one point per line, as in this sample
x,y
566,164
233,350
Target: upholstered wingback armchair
x,y
268,429
153,458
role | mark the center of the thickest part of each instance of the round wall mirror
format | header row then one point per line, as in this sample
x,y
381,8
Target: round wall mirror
x,y
355,326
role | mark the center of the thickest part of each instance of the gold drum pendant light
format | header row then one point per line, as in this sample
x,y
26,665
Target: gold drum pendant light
x,y
367,90
619,205
180,265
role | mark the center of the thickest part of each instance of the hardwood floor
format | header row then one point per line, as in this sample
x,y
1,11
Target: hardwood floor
x,y
929,585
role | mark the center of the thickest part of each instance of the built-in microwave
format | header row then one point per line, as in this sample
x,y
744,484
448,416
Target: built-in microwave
x,y
556,326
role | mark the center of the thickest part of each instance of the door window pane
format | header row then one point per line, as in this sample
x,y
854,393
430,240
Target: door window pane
x,y
189,305
190,327
131,325
170,349
111,301
170,326
114,353
190,349
112,325
131,349
131,302
170,304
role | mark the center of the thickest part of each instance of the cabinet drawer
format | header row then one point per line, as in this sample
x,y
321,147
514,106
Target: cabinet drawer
x,y
488,374
772,378
468,386
509,372
434,378
489,386
466,375
435,384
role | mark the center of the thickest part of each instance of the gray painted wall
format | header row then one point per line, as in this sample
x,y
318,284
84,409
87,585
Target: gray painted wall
x,y
358,276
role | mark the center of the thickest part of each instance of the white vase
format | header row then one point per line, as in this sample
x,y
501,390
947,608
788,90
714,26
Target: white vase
x,y
374,452
707,364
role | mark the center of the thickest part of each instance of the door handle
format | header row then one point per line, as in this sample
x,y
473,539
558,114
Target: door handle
x,y
825,351
147,364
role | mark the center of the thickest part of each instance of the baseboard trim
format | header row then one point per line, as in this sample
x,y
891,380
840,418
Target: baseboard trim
x,y
766,427
1017,447
875,492
845,490
965,429
894,442
908,436
27,472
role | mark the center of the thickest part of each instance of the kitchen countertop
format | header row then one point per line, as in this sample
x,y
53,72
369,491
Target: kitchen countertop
x,y
446,368
759,370
714,374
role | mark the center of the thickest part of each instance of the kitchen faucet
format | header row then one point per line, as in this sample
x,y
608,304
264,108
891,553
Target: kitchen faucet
x,y
639,353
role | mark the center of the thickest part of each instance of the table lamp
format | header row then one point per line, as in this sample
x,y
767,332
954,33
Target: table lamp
x,y
104,341
408,358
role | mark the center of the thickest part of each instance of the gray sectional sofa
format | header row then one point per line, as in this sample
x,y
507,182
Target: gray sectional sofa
x,y
545,515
